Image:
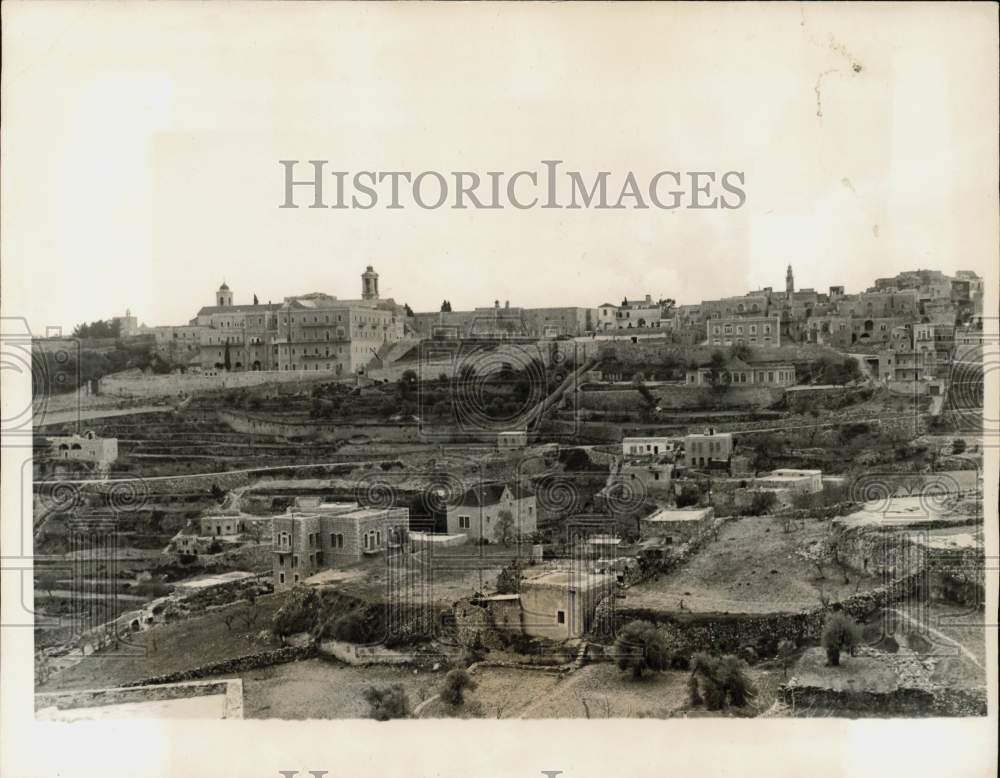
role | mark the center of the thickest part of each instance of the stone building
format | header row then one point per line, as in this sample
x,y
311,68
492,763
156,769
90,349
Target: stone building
x,y
701,449
647,446
327,535
736,372
792,480
477,512
102,452
220,525
749,330
560,604
676,525
315,332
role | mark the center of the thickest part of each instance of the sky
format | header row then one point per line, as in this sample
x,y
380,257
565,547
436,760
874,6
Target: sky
x,y
141,146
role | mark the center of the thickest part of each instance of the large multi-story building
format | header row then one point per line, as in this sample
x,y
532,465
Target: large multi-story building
x,y
749,330
315,332
501,322
318,536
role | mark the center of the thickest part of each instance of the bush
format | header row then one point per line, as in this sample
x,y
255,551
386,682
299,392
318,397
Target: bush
x,y
840,632
719,681
388,702
509,579
640,647
455,684
351,628
761,503
958,447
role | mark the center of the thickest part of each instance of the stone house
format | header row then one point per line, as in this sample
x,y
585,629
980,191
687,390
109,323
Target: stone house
x,y
560,604
749,330
103,452
646,447
676,525
477,512
652,476
797,481
701,449
331,535
217,526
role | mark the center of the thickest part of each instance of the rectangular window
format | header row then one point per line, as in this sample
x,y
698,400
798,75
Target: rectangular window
x,y
463,522
281,577
560,617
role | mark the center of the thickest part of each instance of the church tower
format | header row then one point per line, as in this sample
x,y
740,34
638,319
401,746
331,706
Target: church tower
x,y
369,284
223,297
789,282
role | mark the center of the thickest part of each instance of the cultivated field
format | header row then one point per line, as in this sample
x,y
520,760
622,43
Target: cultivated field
x,y
753,567
169,648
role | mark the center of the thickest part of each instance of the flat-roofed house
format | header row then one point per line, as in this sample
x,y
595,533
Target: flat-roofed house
x,y
560,604
676,525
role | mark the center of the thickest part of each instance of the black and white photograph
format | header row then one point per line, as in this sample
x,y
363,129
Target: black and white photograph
x,y
373,365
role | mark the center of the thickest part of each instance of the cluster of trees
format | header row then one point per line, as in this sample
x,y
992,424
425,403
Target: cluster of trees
x,y
714,682
833,370
102,328
63,371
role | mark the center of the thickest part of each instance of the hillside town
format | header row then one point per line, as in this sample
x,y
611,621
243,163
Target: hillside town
x,y
765,505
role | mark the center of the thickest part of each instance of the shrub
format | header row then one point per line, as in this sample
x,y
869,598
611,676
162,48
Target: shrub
x,y
455,684
387,702
719,681
352,628
958,447
640,647
509,579
840,632
761,503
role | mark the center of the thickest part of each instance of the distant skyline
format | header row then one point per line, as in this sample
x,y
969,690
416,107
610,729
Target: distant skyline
x,y
146,190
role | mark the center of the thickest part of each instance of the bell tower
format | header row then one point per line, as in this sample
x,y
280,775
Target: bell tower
x,y
369,284
789,281
223,297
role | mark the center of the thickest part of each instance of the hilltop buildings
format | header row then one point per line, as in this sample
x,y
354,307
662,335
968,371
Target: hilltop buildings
x,y
311,332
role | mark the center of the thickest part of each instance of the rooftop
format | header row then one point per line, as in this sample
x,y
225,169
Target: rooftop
x,y
679,514
564,578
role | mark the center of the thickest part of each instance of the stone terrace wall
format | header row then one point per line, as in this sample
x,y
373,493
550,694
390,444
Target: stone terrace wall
x,y
235,666
680,397
141,385
730,632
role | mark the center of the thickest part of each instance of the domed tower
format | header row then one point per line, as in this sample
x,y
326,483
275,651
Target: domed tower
x,y
789,281
369,284
223,297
